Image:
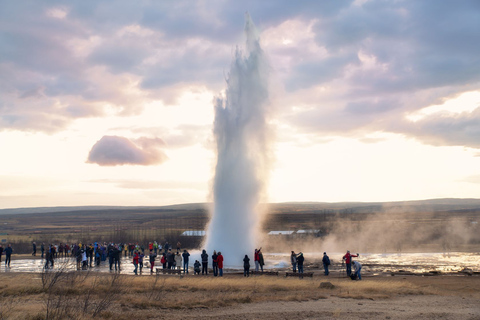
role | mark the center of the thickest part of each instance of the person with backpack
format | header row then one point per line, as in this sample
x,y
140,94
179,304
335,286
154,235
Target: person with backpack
x,y
326,263
204,256
357,266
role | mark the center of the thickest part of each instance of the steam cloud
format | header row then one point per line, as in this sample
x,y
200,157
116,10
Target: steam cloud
x,y
115,150
241,137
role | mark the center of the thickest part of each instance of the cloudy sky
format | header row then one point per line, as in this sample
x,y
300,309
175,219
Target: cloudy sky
x,y
111,102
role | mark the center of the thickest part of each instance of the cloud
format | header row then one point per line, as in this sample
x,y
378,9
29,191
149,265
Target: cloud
x,y
115,150
376,60
444,128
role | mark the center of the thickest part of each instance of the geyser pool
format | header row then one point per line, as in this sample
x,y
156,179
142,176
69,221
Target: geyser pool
x,y
240,132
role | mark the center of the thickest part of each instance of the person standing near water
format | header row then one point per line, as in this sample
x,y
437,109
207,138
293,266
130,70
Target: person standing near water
x,y
34,247
256,258
8,255
246,266
204,262
186,258
293,260
214,263
358,267
261,262
220,263
348,262
326,263
300,260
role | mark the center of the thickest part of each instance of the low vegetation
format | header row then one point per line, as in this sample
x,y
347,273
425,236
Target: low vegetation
x,y
86,295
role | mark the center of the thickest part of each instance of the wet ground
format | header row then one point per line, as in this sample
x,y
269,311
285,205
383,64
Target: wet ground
x,y
373,264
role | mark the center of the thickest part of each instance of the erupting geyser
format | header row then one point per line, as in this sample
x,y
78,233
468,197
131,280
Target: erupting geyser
x,y
241,137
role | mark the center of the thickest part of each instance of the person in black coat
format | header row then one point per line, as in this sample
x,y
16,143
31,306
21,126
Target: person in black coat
x,y
300,260
246,266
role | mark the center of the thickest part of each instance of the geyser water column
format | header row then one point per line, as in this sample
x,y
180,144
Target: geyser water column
x,y
241,137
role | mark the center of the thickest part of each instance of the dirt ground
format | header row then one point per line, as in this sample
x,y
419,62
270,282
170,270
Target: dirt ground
x,y
402,307
236,297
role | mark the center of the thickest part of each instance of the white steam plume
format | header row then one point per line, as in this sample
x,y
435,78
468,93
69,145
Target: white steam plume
x,y
241,171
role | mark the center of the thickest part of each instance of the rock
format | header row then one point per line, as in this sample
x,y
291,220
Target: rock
x,y
326,285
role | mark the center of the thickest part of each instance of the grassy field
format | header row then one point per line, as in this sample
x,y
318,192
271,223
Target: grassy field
x,y
83,295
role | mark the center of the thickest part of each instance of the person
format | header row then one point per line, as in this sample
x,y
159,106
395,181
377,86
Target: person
x,y
34,245
204,262
47,259
52,255
1,252
348,262
78,256
42,249
140,260
220,264
326,263
300,260
185,256
261,262
358,267
8,255
246,266
293,260
84,258
178,261
136,257
256,258
170,259
214,263
196,267
163,261
90,255
179,246
166,246
117,255
152,260
111,256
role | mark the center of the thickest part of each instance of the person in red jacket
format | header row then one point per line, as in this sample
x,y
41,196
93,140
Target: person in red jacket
x,y
136,257
220,263
256,258
348,261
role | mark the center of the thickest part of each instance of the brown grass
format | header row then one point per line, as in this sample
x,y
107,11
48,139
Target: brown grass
x,y
79,295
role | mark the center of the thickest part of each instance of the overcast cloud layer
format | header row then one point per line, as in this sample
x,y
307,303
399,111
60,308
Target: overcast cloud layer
x,y
347,67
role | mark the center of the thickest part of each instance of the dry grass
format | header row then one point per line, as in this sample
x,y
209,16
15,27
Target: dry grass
x,y
79,295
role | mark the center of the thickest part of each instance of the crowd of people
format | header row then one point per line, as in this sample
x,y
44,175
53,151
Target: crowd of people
x,y
93,254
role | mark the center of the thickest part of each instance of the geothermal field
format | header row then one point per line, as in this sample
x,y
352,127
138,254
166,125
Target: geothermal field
x,y
420,259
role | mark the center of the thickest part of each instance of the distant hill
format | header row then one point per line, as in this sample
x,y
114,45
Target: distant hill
x,y
432,205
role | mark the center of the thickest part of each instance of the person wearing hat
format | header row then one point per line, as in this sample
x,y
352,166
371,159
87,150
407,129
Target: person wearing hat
x,y
326,263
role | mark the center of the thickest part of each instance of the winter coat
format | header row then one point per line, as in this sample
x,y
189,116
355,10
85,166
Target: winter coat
x,y
204,256
246,262
300,260
178,260
220,261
